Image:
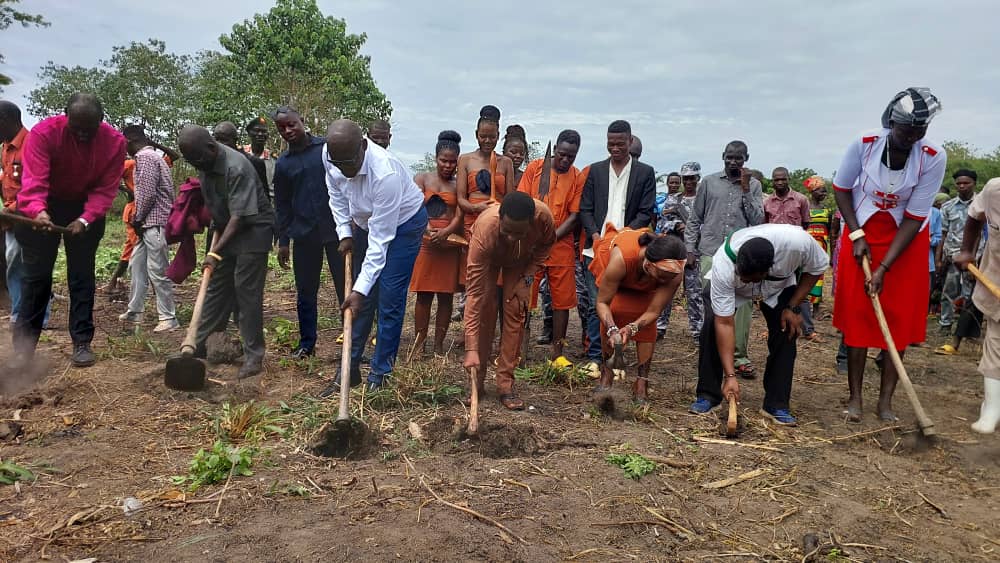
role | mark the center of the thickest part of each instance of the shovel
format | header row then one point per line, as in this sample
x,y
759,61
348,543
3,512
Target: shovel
x,y
346,437
474,403
17,219
987,282
185,372
923,421
732,421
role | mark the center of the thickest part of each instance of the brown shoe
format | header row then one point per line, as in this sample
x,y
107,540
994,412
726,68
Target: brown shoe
x,y
512,402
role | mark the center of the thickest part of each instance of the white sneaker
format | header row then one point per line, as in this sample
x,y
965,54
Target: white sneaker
x,y
167,326
135,318
989,413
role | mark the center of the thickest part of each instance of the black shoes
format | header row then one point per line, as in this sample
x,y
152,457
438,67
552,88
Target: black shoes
x,y
302,353
83,356
250,368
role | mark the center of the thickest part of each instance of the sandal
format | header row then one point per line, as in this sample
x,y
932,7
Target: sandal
x,y
746,371
512,402
946,350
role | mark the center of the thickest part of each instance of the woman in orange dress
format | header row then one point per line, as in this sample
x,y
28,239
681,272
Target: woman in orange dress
x,y
637,275
483,175
436,269
515,147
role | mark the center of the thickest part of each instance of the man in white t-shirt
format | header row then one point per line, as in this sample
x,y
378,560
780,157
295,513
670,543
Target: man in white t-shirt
x,y
757,264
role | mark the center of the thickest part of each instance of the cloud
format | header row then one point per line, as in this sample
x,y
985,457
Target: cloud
x,y
796,81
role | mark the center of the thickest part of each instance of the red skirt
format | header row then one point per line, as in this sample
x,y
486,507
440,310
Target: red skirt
x,y
905,289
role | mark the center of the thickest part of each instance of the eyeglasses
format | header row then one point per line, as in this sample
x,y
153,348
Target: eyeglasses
x,y
358,156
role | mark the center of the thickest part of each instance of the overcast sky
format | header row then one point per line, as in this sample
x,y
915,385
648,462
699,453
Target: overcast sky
x,y
795,80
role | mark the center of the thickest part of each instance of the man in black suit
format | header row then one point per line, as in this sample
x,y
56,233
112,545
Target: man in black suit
x,y
621,191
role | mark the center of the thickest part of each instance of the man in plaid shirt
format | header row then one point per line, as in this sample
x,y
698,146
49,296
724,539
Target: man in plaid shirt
x,y
154,196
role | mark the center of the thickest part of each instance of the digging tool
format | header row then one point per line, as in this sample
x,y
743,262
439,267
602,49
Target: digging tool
x,y
731,422
346,437
987,282
185,372
17,219
923,421
474,403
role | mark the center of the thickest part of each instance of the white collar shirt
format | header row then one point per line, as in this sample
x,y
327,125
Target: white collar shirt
x,y
794,249
861,173
380,198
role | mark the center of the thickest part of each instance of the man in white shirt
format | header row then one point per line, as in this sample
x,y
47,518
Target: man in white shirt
x,y
757,264
619,190
370,186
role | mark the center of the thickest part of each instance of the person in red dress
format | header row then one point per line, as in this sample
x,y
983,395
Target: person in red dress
x,y
437,266
885,187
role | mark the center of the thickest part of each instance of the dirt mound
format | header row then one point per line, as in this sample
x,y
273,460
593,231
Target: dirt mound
x,y
497,440
348,439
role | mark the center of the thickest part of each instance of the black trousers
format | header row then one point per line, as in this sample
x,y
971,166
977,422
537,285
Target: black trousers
x,y
307,263
39,251
781,354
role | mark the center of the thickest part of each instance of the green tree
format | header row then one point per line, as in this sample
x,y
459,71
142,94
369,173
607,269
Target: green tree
x,y
963,155
8,17
292,55
140,83
428,164
796,177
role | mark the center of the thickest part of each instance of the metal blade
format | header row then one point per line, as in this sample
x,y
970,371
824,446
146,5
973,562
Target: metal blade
x,y
546,179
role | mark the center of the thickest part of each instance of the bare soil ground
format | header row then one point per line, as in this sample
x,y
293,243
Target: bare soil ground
x,y
826,490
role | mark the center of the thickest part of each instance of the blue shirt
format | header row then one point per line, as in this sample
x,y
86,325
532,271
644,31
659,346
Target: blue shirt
x,y
301,200
935,232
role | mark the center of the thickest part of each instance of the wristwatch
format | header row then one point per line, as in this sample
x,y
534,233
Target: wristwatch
x,y
796,309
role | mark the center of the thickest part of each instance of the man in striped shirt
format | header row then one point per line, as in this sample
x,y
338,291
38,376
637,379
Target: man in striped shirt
x,y
154,196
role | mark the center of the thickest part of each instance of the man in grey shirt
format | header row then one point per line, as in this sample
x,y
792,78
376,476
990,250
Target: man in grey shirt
x,y
726,202
244,222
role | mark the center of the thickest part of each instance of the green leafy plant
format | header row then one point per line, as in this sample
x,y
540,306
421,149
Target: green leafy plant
x,y
546,375
248,421
216,464
284,333
634,465
11,472
290,489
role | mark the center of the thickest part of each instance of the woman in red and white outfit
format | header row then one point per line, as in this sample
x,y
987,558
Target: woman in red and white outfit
x,y
885,187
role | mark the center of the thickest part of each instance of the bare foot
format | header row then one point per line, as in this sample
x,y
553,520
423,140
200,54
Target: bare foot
x,y
853,410
885,414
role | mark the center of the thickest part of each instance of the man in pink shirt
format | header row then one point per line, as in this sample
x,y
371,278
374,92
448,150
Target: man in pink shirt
x,y
72,165
785,206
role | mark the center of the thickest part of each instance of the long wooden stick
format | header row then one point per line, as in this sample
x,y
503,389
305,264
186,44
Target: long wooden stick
x,y
17,219
345,352
472,513
474,402
924,421
987,282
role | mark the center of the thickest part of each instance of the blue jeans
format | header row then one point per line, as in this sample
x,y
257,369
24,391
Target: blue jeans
x,y
388,296
307,263
15,267
593,323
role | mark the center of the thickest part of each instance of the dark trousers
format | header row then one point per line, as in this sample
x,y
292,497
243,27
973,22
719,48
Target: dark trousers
x,y
38,253
781,354
237,279
307,263
387,297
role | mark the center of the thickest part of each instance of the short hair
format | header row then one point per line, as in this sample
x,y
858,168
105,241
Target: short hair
x,y
284,110
84,99
9,111
663,247
568,136
134,132
620,126
488,113
379,124
672,174
738,145
756,256
259,120
519,206
779,169
448,140
965,172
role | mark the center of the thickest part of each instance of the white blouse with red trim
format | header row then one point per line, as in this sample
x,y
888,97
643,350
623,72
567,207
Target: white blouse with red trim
x,y
861,174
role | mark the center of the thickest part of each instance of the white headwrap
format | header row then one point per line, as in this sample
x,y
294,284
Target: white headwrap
x,y
913,106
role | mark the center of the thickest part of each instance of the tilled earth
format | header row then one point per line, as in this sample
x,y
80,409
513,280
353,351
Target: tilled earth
x,y
532,486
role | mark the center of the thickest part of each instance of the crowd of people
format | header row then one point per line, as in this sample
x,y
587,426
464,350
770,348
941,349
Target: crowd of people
x,y
508,237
